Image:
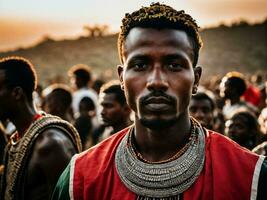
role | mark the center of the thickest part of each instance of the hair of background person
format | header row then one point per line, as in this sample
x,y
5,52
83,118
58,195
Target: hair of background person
x,y
19,72
114,87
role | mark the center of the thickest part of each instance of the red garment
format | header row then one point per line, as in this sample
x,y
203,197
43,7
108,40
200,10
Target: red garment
x,y
252,95
227,173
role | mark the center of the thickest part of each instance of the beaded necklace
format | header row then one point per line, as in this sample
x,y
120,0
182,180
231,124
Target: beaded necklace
x,y
161,180
175,156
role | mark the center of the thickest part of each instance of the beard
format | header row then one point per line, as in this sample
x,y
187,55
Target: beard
x,y
158,124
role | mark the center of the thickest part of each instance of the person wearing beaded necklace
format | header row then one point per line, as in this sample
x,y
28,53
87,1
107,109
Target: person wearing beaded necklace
x,y
42,145
166,154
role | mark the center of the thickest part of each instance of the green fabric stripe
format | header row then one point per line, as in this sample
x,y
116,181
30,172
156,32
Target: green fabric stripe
x,y
61,191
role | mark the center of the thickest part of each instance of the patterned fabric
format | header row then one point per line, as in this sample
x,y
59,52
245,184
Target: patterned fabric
x,y
17,155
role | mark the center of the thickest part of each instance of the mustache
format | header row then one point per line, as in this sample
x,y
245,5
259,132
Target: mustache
x,y
157,94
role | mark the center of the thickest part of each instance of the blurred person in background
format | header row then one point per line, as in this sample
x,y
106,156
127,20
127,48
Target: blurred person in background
x,y
42,145
261,149
83,123
202,108
243,128
97,85
252,94
57,101
115,112
81,80
232,87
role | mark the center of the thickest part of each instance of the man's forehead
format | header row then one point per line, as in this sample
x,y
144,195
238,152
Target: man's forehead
x,y
140,37
147,35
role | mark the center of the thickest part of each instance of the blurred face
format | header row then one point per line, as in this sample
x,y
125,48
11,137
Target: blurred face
x,y
202,111
238,130
158,75
112,112
5,98
51,105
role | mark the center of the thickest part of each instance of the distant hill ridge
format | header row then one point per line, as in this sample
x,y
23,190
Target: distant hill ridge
x,y
241,47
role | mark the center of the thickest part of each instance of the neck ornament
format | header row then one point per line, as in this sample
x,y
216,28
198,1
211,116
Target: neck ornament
x,y
166,178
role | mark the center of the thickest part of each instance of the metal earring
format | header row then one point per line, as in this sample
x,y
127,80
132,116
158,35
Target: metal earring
x,y
194,90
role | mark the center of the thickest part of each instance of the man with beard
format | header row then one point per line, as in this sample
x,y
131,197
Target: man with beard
x,y
42,145
165,154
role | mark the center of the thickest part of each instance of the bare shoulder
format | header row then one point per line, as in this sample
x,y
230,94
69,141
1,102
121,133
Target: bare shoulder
x,y
51,146
50,155
53,139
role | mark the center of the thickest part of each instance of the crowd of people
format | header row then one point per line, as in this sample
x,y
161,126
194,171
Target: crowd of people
x,y
157,132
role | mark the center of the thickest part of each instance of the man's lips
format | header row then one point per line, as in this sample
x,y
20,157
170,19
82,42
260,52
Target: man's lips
x,y
157,100
157,103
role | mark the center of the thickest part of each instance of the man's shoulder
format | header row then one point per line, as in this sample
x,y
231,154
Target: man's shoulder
x,y
102,153
52,138
56,129
223,146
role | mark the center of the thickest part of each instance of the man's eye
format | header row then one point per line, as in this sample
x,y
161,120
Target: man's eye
x,y
174,66
140,66
192,109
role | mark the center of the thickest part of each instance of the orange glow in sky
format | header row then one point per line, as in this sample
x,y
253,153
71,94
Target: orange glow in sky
x,y
24,22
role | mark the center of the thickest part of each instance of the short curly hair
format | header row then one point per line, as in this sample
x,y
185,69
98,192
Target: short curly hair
x,y
160,16
19,72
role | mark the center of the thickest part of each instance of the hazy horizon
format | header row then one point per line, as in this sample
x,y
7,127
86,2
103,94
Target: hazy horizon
x,y
23,23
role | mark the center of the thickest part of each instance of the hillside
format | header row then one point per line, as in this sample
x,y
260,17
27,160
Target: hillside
x,y
241,47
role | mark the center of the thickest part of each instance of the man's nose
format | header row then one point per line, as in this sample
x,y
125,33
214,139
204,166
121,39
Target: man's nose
x,y
157,80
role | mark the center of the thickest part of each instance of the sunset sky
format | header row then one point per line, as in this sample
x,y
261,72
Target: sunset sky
x,y
24,22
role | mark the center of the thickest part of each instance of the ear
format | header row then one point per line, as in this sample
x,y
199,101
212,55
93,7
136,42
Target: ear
x,y
120,73
17,93
197,74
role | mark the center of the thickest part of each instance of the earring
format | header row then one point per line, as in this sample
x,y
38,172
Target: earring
x,y
194,90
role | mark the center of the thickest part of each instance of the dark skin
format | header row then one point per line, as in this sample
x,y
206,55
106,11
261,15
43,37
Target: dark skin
x,y
202,111
113,113
238,129
159,61
52,105
229,93
51,152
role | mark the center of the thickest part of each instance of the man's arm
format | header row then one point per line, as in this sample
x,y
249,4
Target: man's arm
x,y
51,154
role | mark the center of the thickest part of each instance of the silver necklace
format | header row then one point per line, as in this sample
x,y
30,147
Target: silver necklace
x,y
161,180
